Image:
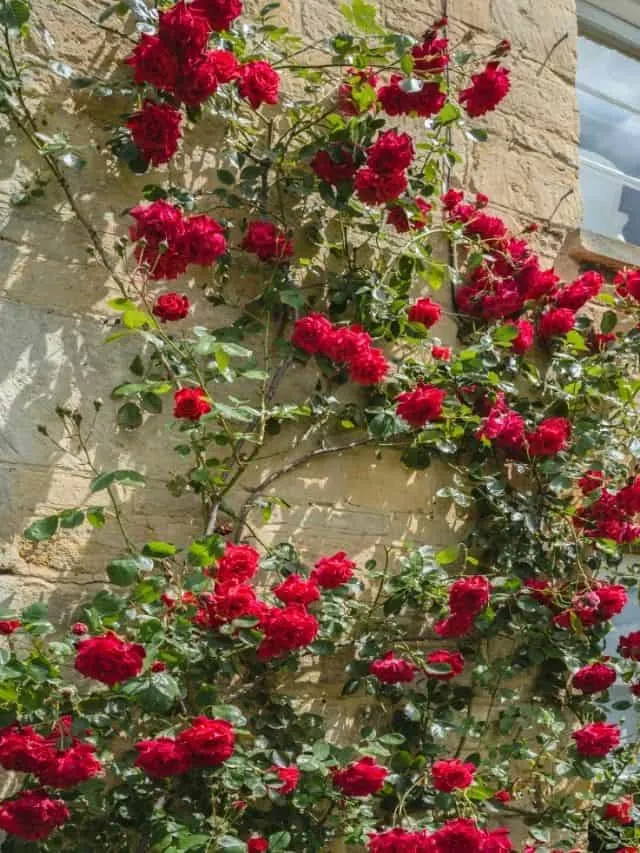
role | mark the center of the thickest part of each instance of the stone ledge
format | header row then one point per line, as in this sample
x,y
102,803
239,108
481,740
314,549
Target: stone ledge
x,y
588,247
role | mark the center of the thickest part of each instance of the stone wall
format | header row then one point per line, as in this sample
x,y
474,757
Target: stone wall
x,y
53,314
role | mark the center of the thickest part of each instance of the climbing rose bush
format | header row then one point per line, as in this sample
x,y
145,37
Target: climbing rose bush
x,y
167,714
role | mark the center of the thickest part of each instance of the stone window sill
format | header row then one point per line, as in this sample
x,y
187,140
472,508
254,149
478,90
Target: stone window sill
x,y
586,247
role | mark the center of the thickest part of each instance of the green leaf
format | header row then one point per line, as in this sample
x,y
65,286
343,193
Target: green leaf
x,y
231,845
279,841
363,16
152,403
504,334
42,529
129,416
71,518
448,555
124,476
14,14
136,319
160,693
609,322
479,134
293,298
448,114
225,177
159,549
123,572
576,340
96,518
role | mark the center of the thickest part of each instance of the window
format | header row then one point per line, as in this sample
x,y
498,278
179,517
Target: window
x,y
608,88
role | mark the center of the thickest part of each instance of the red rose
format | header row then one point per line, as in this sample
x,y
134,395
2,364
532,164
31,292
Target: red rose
x,y
334,167
576,294
399,841
32,815
555,322
426,312
357,94
497,841
392,152
24,750
591,480
155,130
210,742
171,306
431,56
612,599
230,600
297,590
197,82
600,341
286,629
332,572
79,628
154,63
162,757
311,333
9,626
220,13
452,774
238,563
502,796
289,776
505,427
203,240
360,778
621,812
458,836
452,198
190,403
159,225
490,229
393,670
184,31
421,406
596,740
549,437
70,767
442,657
456,625
628,498
627,283
425,103
441,353
225,64
524,340
267,241
594,678
109,659
402,221
375,188
257,844
259,83
347,343
629,646
158,666
469,595
368,367
487,89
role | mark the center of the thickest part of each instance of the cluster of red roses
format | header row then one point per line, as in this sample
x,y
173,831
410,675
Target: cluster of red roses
x,y
620,812
176,62
506,428
452,837
384,177
390,669
589,605
468,597
609,515
205,743
315,334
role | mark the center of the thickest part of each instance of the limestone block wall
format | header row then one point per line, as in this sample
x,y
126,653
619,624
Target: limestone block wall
x,y
53,314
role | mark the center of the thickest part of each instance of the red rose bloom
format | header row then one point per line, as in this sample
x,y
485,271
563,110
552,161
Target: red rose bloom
x,y
368,367
453,774
490,229
109,659
502,796
576,294
594,678
456,625
190,404
9,626
549,437
441,353
210,742
158,666
259,83
286,629
79,628
505,427
393,670
486,91
238,563
629,646
376,188
199,81
404,220
163,757
155,130
425,103
555,322
392,152
524,340
154,63
347,343
442,657
399,841
24,750
171,306
297,590
332,572
591,480
458,836
225,64
469,595
184,31
203,240
230,600
311,333
612,599
421,406
220,13
267,241
363,80
334,167
596,740
431,56
257,844
70,767
600,341
289,776
32,815
497,841
627,283
360,778
621,812
426,312
159,226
